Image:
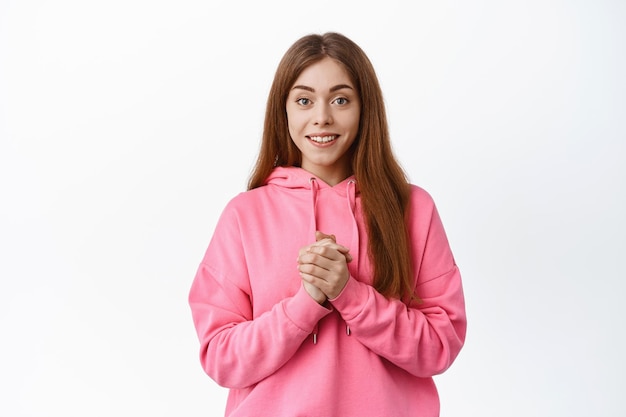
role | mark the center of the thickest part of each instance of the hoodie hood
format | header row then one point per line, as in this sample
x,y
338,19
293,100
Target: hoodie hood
x,y
333,206
298,178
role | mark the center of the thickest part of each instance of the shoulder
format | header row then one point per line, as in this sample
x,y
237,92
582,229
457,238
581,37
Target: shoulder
x,y
246,199
422,209
250,206
239,212
420,197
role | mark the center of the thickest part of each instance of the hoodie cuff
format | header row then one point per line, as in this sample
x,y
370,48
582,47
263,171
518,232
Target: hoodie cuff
x,y
304,311
352,299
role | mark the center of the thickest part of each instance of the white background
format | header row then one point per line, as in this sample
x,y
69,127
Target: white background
x,y
126,125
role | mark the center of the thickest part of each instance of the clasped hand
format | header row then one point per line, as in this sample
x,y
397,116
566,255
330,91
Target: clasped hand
x,y
323,267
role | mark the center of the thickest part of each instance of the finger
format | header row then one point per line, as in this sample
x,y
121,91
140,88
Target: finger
x,y
340,250
306,249
310,261
331,251
330,243
313,274
326,252
326,240
303,251
330,284
344,250
320,235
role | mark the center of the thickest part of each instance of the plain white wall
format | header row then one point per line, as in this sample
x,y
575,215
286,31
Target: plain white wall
x,y
126,125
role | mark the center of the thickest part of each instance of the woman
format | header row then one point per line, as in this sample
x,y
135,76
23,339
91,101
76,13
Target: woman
x,y
328,288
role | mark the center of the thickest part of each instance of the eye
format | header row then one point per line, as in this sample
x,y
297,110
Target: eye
x,y
303,101
341,101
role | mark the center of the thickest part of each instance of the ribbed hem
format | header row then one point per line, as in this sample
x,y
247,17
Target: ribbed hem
x,y
304,311
351,299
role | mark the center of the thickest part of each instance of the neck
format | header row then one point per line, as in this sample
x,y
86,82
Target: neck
x,y
331,177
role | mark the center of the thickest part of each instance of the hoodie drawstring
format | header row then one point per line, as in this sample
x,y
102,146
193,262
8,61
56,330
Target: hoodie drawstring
x,y
351,200
314,187
354,246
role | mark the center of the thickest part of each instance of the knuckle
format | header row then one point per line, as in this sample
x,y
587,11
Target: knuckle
x,y
324,250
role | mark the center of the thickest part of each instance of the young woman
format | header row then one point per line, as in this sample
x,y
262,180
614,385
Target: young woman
x,y
328,288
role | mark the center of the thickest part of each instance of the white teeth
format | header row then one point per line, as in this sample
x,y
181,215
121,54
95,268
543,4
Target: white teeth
x,y
322,139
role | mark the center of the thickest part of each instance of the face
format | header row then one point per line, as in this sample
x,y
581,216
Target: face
x,y
323,110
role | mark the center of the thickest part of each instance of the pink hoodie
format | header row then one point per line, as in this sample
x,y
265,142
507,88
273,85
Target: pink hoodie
x,y
283,354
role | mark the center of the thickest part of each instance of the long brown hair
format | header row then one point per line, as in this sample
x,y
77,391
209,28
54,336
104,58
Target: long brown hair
x,y
382,183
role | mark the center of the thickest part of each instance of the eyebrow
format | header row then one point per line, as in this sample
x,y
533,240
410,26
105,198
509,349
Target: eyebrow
x,y
332,89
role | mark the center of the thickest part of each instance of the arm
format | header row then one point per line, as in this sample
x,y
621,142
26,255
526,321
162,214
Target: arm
x,y
424,337
238,349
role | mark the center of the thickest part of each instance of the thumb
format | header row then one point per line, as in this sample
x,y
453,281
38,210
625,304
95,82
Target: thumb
x,y
319,236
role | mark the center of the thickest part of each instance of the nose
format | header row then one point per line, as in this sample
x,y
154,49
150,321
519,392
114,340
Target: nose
x,y
323,115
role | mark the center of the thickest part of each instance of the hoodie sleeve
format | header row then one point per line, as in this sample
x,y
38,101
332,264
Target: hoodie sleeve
x,y
423,337
238,348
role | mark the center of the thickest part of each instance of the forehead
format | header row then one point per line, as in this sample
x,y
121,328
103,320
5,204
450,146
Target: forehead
x,y
324,73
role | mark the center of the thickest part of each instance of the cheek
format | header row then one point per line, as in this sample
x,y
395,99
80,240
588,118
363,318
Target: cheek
x,y
355,126
294,123
353,123
292,130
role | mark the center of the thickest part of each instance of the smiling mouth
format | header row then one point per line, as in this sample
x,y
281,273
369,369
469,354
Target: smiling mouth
x,y
323,139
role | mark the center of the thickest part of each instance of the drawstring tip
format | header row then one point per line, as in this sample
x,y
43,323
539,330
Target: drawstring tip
x,y
348,330
315,338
